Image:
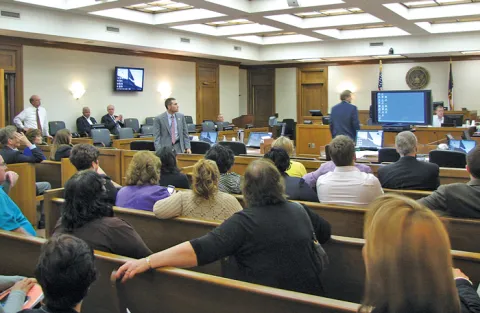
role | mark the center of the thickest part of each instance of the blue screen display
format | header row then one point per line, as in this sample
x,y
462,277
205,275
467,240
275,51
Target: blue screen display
x,y
210,137
369,139
401,107
461,145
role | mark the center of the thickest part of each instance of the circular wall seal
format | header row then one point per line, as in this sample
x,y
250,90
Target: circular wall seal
x,y
417,77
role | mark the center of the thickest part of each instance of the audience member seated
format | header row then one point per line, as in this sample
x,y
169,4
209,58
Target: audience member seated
x,y
11,217
87,215
170,174
220,118
296,169
85,122
65,271
268,243
346,185
11,141
35,137
295,187
204,201
142,190
409,263
327,167
111,121
16,299
229,182
85,157
459,199
62,145
408,172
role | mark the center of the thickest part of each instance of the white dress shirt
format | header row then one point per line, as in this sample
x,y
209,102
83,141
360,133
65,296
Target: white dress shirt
x,y
437,122
28,119
346,185
88,120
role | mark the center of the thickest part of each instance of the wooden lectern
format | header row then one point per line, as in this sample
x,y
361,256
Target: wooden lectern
x,y
243,120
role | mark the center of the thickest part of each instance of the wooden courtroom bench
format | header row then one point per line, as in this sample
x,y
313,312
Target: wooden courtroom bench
x,y
447,175
49,171
167,289
24,193
126,156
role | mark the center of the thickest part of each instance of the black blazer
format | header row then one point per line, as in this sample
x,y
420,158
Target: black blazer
x,y
297,189
11,156
83,127
110,124
409,173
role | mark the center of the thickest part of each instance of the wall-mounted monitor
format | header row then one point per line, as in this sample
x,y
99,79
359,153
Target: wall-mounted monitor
x,y
128,79
409,107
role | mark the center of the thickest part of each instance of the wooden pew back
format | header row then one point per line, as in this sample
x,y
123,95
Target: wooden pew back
x,y
49,171
24,193
110,161
127,156
67,170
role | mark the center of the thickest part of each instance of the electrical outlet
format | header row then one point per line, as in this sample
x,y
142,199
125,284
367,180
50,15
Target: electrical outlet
x,y
312,145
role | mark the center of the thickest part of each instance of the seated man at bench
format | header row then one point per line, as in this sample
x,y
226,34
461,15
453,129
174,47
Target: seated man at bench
x,y
459,199
64,290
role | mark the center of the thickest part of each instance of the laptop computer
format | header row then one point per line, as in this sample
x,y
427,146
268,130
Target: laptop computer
x,y
369,140
210,137
461,145
255,138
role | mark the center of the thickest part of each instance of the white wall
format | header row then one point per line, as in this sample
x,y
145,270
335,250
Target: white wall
x,y
243,87
229,92
286,93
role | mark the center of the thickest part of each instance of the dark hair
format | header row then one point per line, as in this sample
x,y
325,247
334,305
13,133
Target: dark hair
x,y
280,158
263,184
85,200
223,156
168,102
65,270
83,155
62,138
473,162
169,161
342,150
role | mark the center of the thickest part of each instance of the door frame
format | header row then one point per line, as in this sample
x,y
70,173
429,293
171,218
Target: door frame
x,y
323,69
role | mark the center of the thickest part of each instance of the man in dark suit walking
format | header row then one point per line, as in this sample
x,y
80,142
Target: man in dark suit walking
x,y
170,129
408,172
344,117
85,122
111,121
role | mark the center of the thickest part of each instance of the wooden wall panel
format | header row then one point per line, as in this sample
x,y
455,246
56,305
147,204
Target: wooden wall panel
x,y
312,91
208,92
261,95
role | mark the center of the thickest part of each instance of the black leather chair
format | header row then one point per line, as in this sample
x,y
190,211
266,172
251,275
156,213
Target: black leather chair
x,y
199,147
55,126
147,130
446,158
101,137
125,133
188,119
327,153
208,126
149,120
142,145
388,155
236,146
288,128
133,124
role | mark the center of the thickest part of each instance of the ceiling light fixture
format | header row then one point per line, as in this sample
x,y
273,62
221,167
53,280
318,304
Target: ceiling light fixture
x,y
389,56
471,52
311,60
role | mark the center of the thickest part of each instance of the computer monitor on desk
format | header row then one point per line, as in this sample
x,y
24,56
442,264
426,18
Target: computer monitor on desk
x,y
210,137
461,145
97,126
369,139
455,119
255,138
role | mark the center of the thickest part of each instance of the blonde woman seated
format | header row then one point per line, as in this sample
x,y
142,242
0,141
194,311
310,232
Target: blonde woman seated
x,y
296,168
409,263
142,177
62,145
204,201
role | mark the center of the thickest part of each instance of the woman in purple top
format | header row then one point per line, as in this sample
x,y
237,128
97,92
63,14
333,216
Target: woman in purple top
x,y
142,190
311,178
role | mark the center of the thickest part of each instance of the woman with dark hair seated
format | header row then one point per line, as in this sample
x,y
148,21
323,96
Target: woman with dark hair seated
x,y
269,243
295,187
87,215
142,189
169,173
408,262
229,181
62,145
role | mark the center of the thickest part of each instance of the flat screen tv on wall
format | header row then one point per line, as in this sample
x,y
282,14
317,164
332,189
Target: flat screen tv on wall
x,y
128,79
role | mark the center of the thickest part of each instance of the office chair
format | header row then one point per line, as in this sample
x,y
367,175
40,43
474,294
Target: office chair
x,y
55,126
149,120
199,147
288,128
125,133
188,119
388,155
208,126
446,158
133,124
142,145
101,137
147,130
327,153
236,146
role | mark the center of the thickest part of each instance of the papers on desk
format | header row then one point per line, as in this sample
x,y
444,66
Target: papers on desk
x,y
366,154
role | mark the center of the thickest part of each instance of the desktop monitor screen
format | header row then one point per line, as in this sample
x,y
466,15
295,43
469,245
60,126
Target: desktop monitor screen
x,y
210,137
461,145
369,139
455,119
410,107
255,138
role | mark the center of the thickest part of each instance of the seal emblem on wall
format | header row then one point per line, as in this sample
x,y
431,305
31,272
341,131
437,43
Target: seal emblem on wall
x,y
417,77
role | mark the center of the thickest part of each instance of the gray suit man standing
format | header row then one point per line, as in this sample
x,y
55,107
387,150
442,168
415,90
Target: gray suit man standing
x,y
170,129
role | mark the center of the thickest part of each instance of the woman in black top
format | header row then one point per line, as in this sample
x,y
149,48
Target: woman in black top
x,y
169,173
268,243
62,145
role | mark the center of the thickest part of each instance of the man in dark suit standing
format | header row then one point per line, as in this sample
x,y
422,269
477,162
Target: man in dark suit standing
x,y
85,122
408,172
344,117
459,199
170,129
111,121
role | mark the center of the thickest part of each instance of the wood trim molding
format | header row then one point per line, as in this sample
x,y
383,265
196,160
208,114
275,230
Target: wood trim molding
x,y
2,98
19,41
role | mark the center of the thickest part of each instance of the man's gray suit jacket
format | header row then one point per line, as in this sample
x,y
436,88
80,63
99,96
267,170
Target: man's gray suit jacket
x,y
163,137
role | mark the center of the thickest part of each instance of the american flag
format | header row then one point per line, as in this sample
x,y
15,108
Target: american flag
x,y
450,88
380,78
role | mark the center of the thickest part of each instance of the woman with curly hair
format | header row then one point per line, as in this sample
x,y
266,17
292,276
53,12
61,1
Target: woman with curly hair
x,y
203,201
142,189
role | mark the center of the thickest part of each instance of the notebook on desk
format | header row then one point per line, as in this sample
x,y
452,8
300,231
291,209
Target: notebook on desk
x,y
369,140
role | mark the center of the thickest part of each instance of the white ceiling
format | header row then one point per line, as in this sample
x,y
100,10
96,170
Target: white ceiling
x,y
414,31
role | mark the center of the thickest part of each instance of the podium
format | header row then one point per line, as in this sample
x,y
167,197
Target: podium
x,y
243,120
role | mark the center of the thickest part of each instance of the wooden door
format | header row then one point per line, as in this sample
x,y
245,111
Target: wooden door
x,y
261,87
208,106
312,91
11,83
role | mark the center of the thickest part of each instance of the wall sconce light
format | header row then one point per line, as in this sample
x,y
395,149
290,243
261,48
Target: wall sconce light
x,y
346,85
77,90
164,89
